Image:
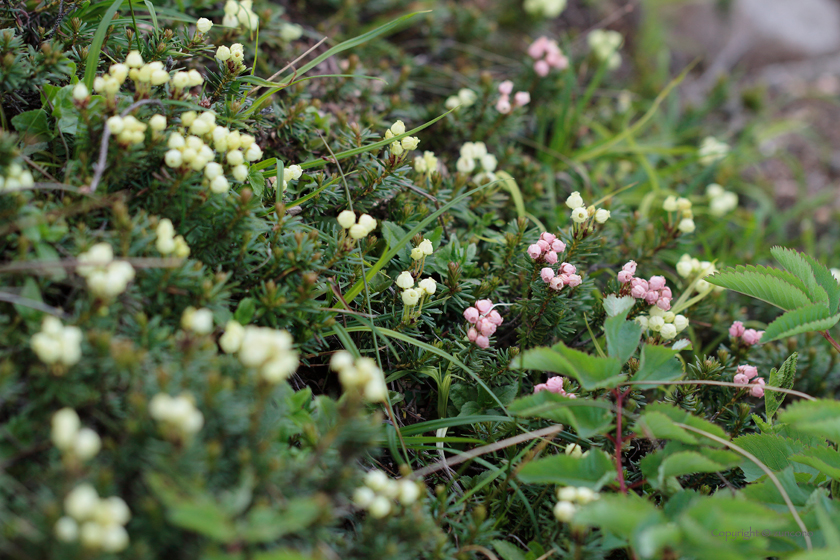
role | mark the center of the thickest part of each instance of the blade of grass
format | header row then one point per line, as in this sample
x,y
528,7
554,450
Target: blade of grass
x,y
96,45
600,149
434,350
341,47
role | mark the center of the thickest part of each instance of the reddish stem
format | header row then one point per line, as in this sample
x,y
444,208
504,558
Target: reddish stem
x,y
831,340
619,440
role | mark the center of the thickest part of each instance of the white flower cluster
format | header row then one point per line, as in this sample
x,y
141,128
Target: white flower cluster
x,y
721,201
545,8
57,344
688,266
604,45
186,79
472,152
427,163
423,250
463,99
98,523
570,497
683,206
360,229
128,130
106,278
194,152
236,54
361,375
16,177
712,150
199,321
575,450
411,295
71,439
168,243
263,348
178,415
581,214
291,173
143,74
240,13
666,323
407,144
380,493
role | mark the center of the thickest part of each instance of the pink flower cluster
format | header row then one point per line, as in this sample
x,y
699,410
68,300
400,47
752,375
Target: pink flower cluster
x,y
546,248
566,276
521,98
554,385
747,375
547,55
653,291
484,319
747,336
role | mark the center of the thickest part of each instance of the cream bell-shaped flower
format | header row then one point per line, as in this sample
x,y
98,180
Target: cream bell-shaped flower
x,y
231,340
199,321
65,427
602,215
580,215
410,297
405,280
574,200
427,247
346,219
428,286
203,25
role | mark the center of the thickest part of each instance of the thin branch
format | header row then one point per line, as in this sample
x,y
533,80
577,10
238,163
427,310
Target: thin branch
x,y
28,266
721,384
103,148
478,451
33,304
289,65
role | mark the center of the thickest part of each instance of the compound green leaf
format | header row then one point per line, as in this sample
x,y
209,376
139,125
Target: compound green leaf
x,y
827,280
592,471
760,285
810,318
799,267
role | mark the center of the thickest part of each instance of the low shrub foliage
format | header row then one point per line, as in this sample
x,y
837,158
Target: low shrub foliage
x,y
436,286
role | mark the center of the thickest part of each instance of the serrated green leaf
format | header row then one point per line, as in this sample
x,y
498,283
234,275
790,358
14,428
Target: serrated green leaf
x,y
618,513
508,551
773,451
813,317
623,337
658,363
615,305
819,418
827,280
799,267
678,415
591,372
824,459
690,462
584,416
592,471
658,425
766,287
783,377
